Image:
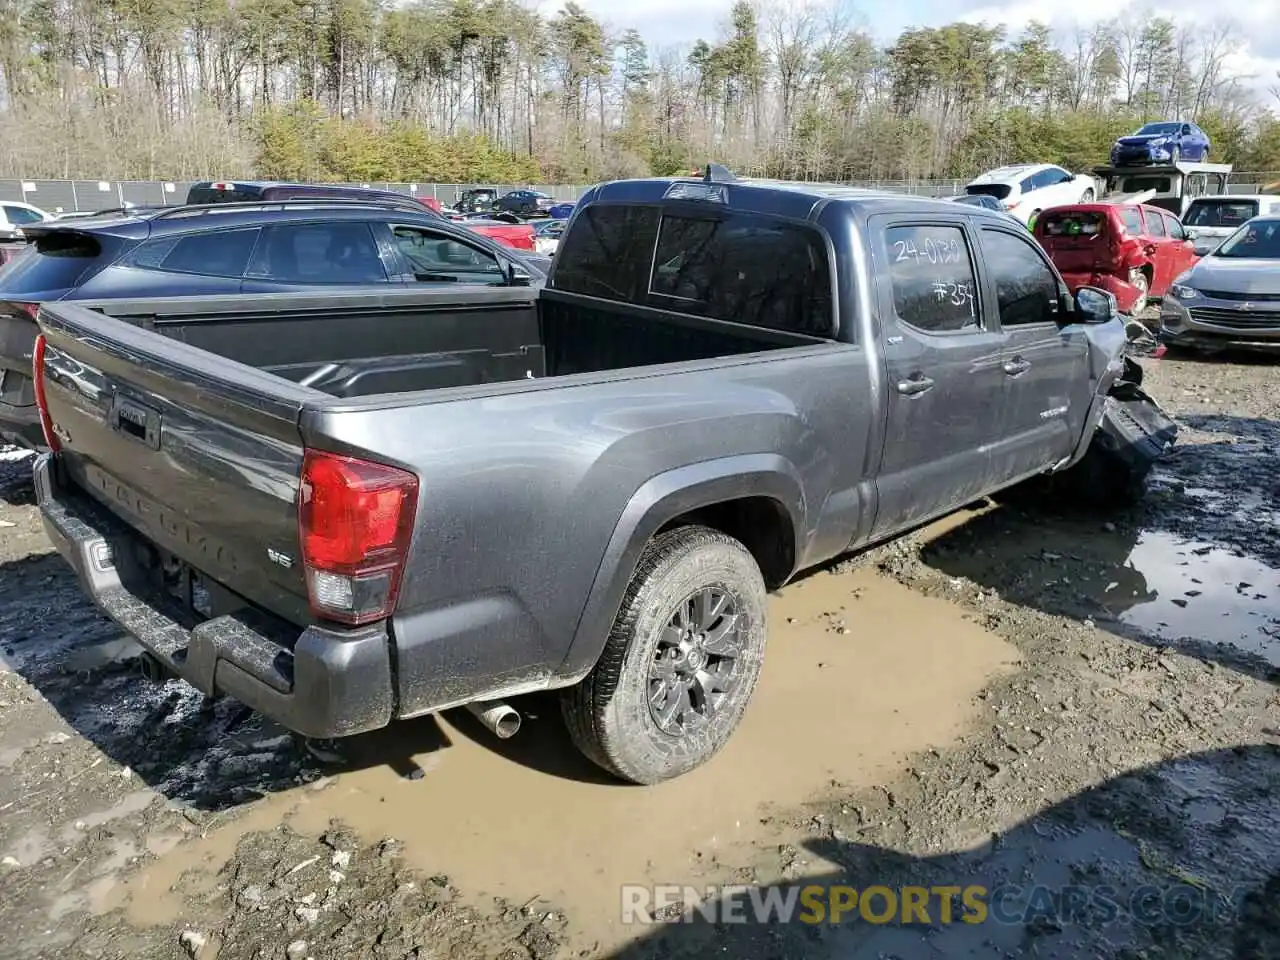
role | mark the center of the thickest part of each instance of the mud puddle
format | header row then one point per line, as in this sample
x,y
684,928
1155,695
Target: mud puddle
x,y
1186,589
860,673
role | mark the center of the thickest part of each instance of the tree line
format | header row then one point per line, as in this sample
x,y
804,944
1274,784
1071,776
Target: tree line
x,y
490,91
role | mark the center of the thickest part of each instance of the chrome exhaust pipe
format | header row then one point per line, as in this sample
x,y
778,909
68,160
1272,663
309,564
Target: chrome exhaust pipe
x,y
499,717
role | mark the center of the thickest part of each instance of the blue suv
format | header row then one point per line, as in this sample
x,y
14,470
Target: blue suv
x,y
227,248
1162,142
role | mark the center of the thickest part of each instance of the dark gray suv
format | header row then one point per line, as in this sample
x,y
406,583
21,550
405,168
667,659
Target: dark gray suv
x,y
227,248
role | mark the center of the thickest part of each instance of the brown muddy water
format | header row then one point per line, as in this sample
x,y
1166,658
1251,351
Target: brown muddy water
x,y
859,674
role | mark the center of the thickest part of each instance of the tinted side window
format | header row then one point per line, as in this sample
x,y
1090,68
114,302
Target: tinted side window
x,y
1030,183
1174,228
21,215
608,252
933,281
436,258
1155,223
340,251
214,254
1026,289
1132,221
746,268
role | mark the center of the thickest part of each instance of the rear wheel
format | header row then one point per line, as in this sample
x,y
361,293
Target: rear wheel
x,y
1087,196
1138,278
680,663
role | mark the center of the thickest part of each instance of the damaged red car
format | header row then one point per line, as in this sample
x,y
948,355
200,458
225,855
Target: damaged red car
x,y
1132,250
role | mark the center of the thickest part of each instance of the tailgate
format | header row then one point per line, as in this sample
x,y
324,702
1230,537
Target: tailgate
x,y
205,466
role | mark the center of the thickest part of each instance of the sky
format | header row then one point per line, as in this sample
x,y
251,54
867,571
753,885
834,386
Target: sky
x,y
680,22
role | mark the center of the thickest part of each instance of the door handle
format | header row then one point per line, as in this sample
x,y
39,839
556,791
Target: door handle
x,y
916,385
1016,367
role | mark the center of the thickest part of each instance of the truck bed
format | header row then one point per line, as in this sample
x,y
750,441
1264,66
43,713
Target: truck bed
x,y
362,344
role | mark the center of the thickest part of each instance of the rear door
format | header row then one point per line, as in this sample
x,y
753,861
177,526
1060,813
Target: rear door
x,y
1044,367
318,253
945,385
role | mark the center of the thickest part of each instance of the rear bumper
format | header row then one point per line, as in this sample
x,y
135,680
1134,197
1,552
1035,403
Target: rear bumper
x,y
319,683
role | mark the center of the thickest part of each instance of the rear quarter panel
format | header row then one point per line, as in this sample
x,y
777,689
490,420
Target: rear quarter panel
x,y
523,492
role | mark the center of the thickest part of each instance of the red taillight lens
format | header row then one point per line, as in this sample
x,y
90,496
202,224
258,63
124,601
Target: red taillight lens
x,y
30,309
356,520
37,378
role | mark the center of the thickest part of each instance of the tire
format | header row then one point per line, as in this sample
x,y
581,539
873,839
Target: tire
x,y
1087,196
1204,155
609,715
1175,154
1139,279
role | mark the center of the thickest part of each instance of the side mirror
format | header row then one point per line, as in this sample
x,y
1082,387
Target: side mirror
x,y
1095,306
518,276
1190,232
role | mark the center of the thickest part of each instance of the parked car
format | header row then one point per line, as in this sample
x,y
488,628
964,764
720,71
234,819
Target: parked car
x,y
477,200
1231,297
282,247
1131,250
14,216
527,203
227,192
692,412
984,200
547,236
1210,220
1167,141
10,250
1027,188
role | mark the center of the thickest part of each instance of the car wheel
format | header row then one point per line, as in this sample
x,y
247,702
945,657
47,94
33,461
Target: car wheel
x,y
1138,278
680,663
1175,154
1204,155
1087,196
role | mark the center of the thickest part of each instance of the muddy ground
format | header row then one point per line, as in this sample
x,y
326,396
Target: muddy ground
x,y
1074,710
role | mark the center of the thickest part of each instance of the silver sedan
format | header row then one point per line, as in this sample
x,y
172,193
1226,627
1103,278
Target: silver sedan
x,y
1231,297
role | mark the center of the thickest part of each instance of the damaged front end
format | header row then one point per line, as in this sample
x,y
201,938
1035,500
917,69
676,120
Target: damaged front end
x,y
1132,430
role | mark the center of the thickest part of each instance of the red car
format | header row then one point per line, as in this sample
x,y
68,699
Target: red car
x,y
1132,250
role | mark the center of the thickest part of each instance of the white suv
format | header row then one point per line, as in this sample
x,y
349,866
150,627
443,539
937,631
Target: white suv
x,y
1025,189
1211,219
13,215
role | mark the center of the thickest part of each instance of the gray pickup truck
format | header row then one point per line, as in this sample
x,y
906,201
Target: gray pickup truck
x,y
350,508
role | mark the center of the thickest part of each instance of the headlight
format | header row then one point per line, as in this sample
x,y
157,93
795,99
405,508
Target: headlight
x,y
1182,292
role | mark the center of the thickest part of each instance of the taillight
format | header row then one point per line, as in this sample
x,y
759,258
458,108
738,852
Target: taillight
x,y
37,378
30,309
355,520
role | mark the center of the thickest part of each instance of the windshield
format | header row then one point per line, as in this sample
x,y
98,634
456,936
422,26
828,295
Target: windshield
x,y
1220,213
1159,128
1259,240
997,190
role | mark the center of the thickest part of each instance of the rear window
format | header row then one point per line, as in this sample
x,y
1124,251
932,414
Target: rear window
x,y
609,252
998,190
745,268
240,194
54,262
1079,224
1220,213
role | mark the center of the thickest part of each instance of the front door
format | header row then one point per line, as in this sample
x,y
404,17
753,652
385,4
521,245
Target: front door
x,y
1045,367
945,386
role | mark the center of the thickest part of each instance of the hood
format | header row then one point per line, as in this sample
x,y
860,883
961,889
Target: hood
x,y
1235,276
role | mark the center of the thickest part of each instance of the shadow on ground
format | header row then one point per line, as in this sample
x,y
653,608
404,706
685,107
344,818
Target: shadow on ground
x,y
211,754
1181,859
1195,565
